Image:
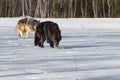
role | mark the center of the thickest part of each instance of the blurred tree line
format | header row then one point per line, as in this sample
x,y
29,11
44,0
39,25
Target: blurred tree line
x,y
60,8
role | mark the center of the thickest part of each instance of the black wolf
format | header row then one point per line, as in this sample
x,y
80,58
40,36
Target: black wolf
x,y
47,31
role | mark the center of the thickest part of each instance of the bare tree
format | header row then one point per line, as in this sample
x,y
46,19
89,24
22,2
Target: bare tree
x,y
82,8
23,6
75,8
86,5
109,6
94,3
103,4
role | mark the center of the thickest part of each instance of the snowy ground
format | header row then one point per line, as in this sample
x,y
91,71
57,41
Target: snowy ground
x,y
90,50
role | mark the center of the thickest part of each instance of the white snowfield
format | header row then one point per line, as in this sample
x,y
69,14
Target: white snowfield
x,y
89,50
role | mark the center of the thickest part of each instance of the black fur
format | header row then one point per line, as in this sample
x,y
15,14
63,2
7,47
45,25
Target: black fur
x,y
47,31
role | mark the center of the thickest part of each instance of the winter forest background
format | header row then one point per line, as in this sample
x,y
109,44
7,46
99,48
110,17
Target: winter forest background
x,y
60,8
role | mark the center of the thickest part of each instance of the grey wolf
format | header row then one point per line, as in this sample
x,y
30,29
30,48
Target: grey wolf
x,y
25,26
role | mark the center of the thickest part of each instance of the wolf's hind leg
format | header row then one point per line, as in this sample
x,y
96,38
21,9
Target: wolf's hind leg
x,y
20,35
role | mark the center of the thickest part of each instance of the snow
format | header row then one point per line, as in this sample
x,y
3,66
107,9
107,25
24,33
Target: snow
x,y
89,50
